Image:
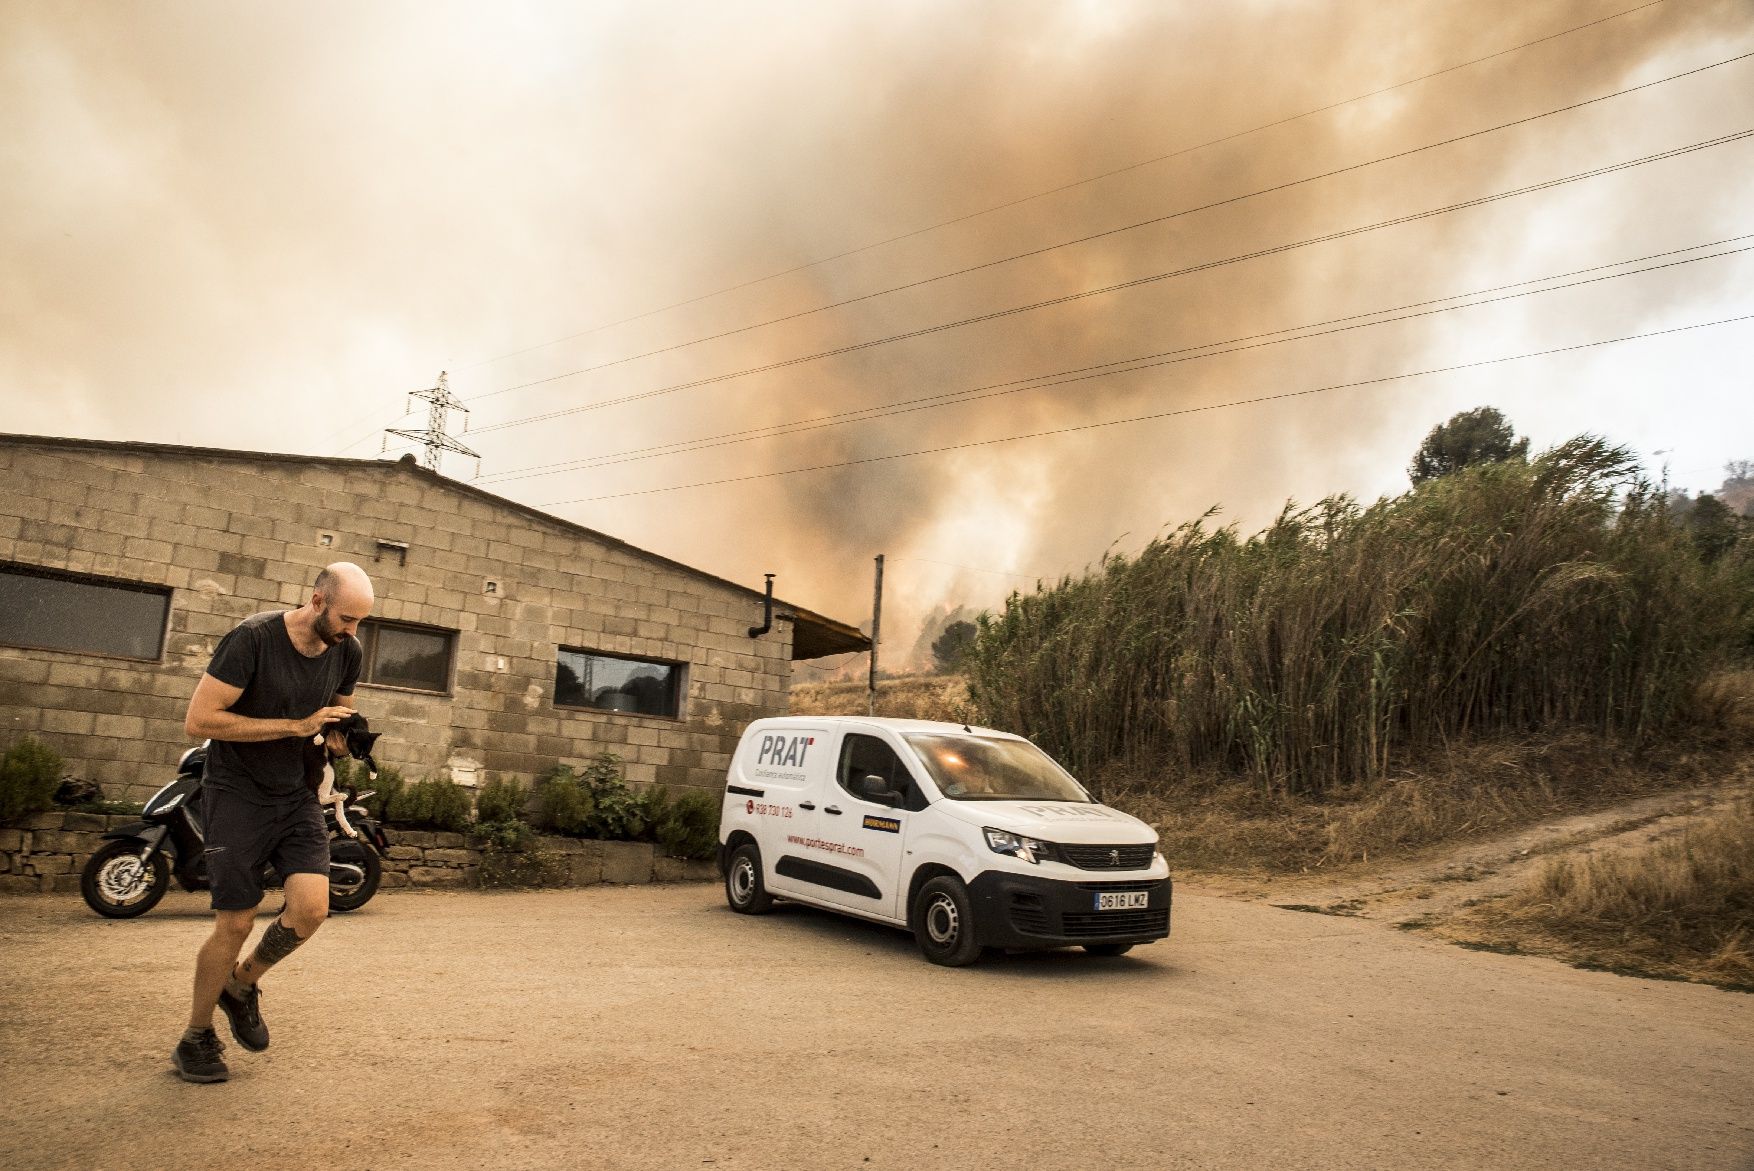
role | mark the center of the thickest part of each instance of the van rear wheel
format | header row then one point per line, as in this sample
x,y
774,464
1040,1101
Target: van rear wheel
x,y
944,923
744,889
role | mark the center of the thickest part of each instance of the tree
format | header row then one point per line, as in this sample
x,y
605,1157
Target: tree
x,y
1479,436
1737,492
1714,527
951,648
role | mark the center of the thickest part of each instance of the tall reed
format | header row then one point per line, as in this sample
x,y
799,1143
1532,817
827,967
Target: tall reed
x,y
1510,597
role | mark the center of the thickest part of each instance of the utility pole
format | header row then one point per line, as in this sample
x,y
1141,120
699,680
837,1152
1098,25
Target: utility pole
x,y
439,401
876,632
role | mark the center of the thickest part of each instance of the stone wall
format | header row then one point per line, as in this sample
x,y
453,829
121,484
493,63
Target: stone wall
x,y
232,534
46,852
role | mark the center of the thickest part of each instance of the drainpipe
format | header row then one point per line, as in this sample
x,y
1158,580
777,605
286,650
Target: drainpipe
x,y
766,612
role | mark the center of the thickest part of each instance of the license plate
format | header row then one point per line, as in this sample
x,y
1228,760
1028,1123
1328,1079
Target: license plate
x,y
1123,900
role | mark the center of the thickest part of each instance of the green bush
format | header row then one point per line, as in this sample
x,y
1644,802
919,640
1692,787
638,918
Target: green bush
x,y
499,801
594,803
433,803
560,804
689,826
29,774
512,857
385,790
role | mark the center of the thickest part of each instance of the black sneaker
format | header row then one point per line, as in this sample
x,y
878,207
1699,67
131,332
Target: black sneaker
x,y
245,1014
198,1058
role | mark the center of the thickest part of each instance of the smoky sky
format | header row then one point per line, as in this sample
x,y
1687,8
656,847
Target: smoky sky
x,y
260,226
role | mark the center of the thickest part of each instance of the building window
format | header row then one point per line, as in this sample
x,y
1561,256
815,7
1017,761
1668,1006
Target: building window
x,y
610,683
417,658
52,611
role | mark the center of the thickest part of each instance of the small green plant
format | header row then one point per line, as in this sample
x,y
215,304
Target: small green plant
x,y
499,801
560,804
385,789
511,856
594,803
618,813
433,803
689,826
29,774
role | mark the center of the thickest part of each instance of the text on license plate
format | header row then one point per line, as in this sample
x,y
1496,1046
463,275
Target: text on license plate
x,y
1123,900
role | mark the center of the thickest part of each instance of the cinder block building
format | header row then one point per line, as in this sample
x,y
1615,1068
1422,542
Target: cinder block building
x,y
504,639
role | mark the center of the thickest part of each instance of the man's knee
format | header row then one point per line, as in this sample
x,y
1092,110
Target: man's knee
x,y
234,926
305,921
307,903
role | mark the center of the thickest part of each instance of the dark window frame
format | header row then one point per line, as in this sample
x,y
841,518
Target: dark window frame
x,y
900,778
369,647
163,592
678,684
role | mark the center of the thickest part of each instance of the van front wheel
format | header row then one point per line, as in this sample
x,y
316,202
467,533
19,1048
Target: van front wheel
x,y
944,923
743,886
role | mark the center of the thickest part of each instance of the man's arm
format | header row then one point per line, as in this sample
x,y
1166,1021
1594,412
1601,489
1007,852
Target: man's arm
x,y
209,717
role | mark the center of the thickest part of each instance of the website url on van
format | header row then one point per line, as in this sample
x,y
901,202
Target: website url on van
x,y
830,847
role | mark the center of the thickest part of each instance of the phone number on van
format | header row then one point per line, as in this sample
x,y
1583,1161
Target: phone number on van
x,y
761,809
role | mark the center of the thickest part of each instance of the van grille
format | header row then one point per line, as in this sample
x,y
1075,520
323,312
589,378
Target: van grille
x,y
1109,857
1096,924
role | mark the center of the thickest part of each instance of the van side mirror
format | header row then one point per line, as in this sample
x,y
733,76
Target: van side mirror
x,y
875,788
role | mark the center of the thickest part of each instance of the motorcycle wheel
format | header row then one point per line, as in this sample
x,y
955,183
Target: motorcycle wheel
x,y
342,898
117,885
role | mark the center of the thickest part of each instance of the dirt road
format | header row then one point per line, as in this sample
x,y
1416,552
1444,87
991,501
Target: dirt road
x,y
649,1027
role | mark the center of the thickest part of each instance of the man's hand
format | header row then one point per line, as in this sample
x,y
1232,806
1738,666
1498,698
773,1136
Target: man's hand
x,y
311,724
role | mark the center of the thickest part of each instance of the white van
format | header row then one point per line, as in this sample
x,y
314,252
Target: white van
x,y
968,837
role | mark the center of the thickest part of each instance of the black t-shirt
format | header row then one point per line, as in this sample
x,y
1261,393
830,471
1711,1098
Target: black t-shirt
x,y
279,683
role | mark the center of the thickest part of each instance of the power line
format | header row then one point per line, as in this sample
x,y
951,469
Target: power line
x,y
1123,365
1145,223
1067,186
1265,398
1066,298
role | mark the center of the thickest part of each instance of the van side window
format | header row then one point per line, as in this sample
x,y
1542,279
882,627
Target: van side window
x,y
866,756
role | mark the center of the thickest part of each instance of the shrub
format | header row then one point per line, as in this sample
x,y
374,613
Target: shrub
x,y
594,803
30,772
385,790
433,803
689,826
560,804
500,801
512,857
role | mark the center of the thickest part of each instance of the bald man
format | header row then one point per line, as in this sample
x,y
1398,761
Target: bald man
x,y
273,683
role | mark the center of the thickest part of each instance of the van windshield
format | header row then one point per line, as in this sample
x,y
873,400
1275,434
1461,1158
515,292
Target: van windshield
x,y
980,768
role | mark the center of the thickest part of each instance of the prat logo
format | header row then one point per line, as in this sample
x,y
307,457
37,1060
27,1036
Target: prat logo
x,y
784,750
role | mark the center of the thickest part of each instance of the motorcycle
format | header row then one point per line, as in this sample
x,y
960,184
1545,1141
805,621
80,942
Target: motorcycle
x,y
128,876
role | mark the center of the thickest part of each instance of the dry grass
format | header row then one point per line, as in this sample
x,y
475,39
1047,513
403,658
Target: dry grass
x,y
1461,794
910,697
1682,907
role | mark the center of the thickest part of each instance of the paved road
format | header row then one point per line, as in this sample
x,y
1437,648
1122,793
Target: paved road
x,y
649,1027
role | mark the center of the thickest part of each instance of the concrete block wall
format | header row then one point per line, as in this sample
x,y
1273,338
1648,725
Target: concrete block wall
x,y
233,534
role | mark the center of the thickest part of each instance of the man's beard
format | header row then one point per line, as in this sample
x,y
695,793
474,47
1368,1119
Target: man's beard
x,y
331,635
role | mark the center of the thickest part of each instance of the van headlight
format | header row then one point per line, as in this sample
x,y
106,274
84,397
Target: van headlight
x,y
1032,850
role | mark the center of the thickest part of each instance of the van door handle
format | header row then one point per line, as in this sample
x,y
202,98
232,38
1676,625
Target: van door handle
x,y
832,809
806,805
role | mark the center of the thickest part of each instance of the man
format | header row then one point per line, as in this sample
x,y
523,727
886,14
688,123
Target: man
x,y
273,683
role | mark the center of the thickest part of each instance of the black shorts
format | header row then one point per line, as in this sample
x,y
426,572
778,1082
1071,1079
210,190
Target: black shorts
x,y
242,836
